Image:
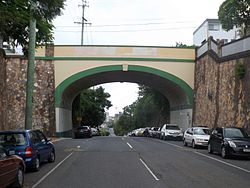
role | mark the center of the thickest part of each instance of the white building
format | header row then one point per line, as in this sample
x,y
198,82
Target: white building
x,y
213,27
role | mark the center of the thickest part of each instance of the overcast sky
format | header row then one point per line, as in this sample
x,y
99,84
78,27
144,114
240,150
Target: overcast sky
x,y
133,22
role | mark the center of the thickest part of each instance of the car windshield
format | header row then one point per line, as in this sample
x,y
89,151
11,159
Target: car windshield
x,y
201,131
82,127
172,127
17,139
235,133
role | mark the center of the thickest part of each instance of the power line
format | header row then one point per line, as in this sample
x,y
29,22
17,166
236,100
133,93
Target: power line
x,y
136,24
84,21
135,30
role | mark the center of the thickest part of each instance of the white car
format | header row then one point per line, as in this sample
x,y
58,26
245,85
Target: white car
x,y
196,136
171,131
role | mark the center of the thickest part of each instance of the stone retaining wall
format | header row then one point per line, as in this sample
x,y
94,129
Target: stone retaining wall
x,y
221,97
13,78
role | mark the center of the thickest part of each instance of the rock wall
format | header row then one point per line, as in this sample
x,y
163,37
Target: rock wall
x,y
2,89
13,80
221,97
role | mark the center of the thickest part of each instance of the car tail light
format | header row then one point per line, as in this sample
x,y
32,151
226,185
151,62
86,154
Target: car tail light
x,y
28,152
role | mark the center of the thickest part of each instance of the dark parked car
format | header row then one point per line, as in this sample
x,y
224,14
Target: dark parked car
x,y
31,145
82,131
229,141
12,169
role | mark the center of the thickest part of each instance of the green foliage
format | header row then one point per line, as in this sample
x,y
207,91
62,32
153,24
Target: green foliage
x,y
105,132
235,13
240,70
91,105
150,109
14,20
181,45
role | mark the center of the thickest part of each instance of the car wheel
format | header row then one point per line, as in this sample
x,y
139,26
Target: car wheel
x,y
224,154
52,157
193,144
37,164
19,179
209,148
164,137
184,142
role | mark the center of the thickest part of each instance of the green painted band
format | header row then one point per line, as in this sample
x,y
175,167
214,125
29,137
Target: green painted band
x,y
114,59
182,84
75,77
187,89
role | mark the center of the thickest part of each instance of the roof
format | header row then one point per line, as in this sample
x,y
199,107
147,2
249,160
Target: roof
x,y
207,20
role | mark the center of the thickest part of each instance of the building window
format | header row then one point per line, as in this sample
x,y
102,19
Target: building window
x,y
213,27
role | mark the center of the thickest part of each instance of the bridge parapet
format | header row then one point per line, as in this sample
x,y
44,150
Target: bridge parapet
x,y
119,51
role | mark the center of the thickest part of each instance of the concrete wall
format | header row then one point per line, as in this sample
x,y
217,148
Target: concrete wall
x,y
63,122
183,118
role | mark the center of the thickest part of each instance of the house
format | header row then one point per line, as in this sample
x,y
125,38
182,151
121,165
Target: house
x,y
213,27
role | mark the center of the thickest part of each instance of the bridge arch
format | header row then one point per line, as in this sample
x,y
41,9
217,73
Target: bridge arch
x,y
177,91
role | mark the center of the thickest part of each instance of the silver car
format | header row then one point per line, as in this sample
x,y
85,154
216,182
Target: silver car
x,y
196,136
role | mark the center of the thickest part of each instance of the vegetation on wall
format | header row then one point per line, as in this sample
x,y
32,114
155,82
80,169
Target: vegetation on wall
x,y
240,70
150,109
89,107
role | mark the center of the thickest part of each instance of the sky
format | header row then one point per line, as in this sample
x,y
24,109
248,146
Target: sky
x,y
132,22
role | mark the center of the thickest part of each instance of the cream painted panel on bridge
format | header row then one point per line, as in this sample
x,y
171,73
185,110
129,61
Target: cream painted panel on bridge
x,y
109,51
65,69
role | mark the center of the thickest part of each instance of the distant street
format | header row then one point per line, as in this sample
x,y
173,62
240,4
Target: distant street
x,y
131,162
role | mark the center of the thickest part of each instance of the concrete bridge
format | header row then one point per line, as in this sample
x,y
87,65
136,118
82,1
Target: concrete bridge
x,y
169,70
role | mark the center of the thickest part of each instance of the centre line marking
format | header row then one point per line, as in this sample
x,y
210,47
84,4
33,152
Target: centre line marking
x,y
239,168
150,171
129,145
43,178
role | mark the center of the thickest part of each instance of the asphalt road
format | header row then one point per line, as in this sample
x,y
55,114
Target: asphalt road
x,y
128,162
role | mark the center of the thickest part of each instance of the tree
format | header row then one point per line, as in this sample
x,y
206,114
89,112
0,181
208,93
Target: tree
x,y
235,13
150,109
91,105
14,20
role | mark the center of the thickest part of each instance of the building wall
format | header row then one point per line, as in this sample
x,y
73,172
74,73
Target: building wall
x,y
221,97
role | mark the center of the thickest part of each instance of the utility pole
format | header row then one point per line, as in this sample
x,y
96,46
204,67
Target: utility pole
x,y
84,21
31,66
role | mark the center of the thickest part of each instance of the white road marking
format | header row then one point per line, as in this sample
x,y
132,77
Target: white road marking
x,y
150,171
46,175
174,145
59,139
237,167
129,145
122,138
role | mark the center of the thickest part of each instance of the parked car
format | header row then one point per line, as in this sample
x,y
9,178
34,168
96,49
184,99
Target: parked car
x,y
153,132
139,132
171,131
82,131
196,136
12,169
229,141
31,145
158,133
95,132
